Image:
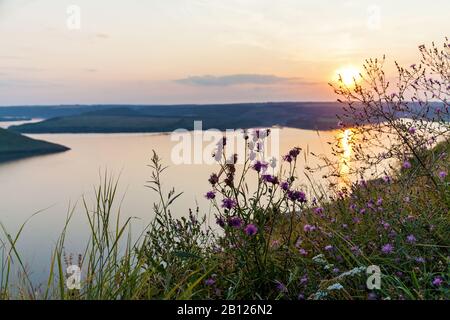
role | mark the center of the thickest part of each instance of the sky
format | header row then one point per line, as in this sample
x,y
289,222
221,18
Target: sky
x,y
200,51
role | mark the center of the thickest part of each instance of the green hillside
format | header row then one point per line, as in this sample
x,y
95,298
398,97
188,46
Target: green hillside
x,y
320,116
14,146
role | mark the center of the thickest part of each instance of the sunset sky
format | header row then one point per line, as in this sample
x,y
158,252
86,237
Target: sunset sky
x,y
201,51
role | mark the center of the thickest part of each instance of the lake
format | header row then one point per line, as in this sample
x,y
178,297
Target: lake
x,y
53,183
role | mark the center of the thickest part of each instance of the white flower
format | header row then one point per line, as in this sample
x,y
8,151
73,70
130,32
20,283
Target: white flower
x,y
336,286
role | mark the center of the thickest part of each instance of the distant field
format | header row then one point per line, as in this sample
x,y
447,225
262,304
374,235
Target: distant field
x,y
14,146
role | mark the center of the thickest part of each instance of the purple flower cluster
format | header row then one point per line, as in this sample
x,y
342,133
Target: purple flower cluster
x,y
260,166
210,195
308,228
220,222
285,186
411,239
437,282
292,155
442,175
235,222
387,248
214,179
228,203
210,282
406,165
251,230
297,196
270,179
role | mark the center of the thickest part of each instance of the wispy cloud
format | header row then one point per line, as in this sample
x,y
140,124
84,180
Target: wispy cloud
x,y
239,79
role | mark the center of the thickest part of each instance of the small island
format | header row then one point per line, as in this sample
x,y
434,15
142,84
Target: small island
x,y
15,146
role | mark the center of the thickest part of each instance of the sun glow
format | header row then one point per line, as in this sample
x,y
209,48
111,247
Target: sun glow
x,y
349,75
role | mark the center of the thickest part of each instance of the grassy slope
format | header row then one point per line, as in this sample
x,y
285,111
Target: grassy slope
x,y
13,145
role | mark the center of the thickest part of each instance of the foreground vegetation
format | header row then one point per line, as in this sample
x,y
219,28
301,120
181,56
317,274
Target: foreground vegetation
x,y
287,240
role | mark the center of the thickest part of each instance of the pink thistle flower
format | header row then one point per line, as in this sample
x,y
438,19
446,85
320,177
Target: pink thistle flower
x,y
442,175
411,239
387,248
437,282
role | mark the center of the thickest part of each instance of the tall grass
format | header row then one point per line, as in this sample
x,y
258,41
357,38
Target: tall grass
x,y
282,241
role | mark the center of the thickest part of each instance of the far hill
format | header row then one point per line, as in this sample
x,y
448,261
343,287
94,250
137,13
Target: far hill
x,y
15,146
100,119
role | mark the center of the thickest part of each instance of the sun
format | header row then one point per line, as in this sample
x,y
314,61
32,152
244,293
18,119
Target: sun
x,y
349,75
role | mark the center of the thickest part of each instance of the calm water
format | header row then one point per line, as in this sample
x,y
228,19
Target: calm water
x,y
53,183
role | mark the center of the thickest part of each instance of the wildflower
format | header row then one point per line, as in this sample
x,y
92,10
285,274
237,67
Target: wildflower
x,y
259,166
284,186
303,252
318,211
329,248
385,225
210,282
301,297
387,179
220,222
437,282
270,178
228,203
287,158
420,260
235,222
304,280
412,130
336,270
210,195
411,239
387,248
379,201
281,287
442,174
406,165
308,228
294,152
392,234
356,220
214,179
297,196
251,230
